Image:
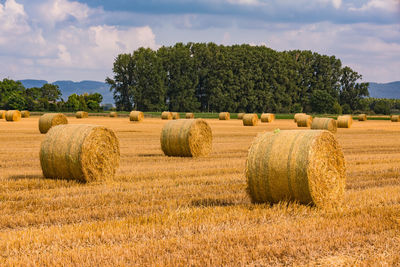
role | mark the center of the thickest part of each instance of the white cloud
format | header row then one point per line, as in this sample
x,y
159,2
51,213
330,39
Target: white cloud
x,y
59,10
387,5
245,2
12,19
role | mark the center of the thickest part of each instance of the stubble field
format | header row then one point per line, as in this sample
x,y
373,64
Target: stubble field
x,y
182,211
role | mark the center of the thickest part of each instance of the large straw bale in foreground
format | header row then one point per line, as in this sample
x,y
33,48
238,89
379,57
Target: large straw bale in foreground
x,y
13,115
186,138
299,165
240,115
267,117
298,115
395,118
81,152
3,114
113,114
250,120
224,116
136,116
25,114
344,121
362,117
324,124
50,120
81,114
166,115
175,116
304,121
189,115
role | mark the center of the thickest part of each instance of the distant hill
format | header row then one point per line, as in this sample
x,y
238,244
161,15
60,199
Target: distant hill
x,y
69,87
385,90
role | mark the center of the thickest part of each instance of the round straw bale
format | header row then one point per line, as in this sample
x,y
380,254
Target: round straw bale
x,y
267,117
113,114
3,114
362,117
49,120
175,116
189,115
395,118
166,115
81,114
344,121
298,115
324,124
81,152
250,119
186,138
240,116
224,116
13,115
136,116
25,114
304,121
298,165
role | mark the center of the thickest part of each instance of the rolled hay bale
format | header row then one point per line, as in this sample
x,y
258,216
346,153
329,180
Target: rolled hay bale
x,y
250,119
113,114
304,121
80,152
297,165
25,114
175,116
49,120
344,121
267,117
3,114
136,116
166,115
240,115
189,115
362,117
324,124
13,115
81,114
298,115
224,116
186,138
395,118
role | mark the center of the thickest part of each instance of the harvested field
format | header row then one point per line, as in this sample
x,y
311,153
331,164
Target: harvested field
x,y
176,211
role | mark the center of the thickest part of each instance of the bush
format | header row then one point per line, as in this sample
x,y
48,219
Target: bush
x,y
346,109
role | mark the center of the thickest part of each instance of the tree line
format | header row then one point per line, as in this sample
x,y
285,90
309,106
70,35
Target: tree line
x,y
13,95
240,78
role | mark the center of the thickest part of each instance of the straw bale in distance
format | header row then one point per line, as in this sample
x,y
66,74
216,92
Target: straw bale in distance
x,y
81,114
267,117
49,120
362,117
240,115
304,121
189,115
113,114
3,114
395,118
25,114
166,115
344,121
298,115
224,116
324,124
250,119
13,115
175,116
136,116
80,152
298,165
186,138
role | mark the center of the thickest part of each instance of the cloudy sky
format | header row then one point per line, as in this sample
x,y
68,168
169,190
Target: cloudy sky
x,y
78,40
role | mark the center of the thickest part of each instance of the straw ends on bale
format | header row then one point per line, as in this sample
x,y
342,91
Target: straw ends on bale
x,y
362,117
3,114
304,121
395,118
298,165
298,115
267,117
344,121
175,116
166,115
186,138
189,115
49,120
324,124
250,120
240,116
81,114
223,116
13,115
80,152
136,116
113,114
25,114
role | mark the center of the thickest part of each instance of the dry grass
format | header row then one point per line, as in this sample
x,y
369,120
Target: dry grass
x,y
194,211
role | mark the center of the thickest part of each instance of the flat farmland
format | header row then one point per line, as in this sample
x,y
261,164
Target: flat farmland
x,y
174,211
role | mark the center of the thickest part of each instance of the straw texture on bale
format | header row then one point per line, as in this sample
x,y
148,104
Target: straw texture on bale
x,y
166,115
136,116
344,121
186,138
240,116
25,114
298,115
3,114
113,114
13,115
362,117
304,121
49,120
224,116
175,116
267,117
298,165
395,118
250,120
189,115
80,152
324,124
81,114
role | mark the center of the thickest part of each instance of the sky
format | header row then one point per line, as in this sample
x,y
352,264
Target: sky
x,y
79,40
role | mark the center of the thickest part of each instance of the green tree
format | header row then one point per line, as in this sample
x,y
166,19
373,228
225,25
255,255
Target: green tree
x,y
351,92
72,103
322,102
